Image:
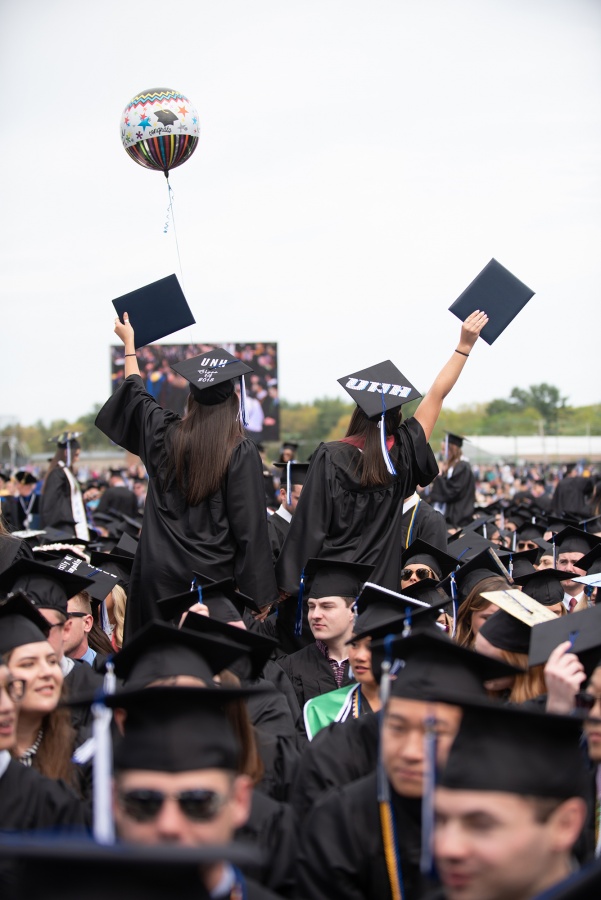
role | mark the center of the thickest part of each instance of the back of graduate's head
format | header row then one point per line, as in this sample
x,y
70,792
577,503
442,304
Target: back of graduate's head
x,y
371,464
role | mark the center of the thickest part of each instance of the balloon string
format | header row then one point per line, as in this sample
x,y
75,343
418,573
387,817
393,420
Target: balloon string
x,y
171,218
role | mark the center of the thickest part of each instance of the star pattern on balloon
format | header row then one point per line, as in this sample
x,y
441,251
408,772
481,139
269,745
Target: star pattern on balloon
x,y
126,120
144,122
139,134
194,120
183,110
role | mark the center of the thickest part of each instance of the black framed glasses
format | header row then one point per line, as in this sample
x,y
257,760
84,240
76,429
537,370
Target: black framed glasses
x,y
421,574
584,700
14,687
144,805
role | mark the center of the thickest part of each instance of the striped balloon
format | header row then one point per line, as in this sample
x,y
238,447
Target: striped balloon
x,y
159,129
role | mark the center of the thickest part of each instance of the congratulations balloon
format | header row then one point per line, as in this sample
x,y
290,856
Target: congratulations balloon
x,y
159,129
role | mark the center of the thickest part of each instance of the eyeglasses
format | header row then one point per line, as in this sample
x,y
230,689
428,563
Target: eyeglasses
x,y
527,545
14,687
421,574
584,700
198,806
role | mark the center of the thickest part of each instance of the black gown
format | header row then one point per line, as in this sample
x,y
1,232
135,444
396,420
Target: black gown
x,y
310,673
458,492
339,754
225,536
277,529
272,829
29,801
427,524
56,510
119,499
338,519
342,852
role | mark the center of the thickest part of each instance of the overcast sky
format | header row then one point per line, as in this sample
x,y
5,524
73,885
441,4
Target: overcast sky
x,y
359,162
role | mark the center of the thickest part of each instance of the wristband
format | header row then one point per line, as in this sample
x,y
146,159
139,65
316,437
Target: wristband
x,y
460,352
133,354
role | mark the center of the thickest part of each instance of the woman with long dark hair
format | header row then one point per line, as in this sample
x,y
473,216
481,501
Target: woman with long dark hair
x,y
205,509
351,507
62,501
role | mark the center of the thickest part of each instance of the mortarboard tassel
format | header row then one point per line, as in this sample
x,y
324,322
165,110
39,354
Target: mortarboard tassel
x,y
298,624
455,604
427,851
68,453
514,539
510,566
288,485
554,552
407,623
484,532
446,447
104,826
382,426
243,401
387,822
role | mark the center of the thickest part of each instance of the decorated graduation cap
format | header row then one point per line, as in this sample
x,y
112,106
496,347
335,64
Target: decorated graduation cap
x,y
496,291
516,751
509,628
254,649
543,585
155,310
171,729
20,623
211,376
67,440
159,651
114,563
291,473
100,583
329,578
377,390
46,586
582,629
421,552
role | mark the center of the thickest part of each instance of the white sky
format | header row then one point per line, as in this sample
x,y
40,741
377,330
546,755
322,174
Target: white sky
x,y
359,162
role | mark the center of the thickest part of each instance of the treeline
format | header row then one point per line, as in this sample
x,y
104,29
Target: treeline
x,y
540,409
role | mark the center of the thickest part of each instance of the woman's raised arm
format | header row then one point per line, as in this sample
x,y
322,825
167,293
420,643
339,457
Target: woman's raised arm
x,y
429,409
125,331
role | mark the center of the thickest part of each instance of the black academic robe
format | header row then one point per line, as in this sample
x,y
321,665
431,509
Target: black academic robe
x,y
277,529
425,523
119,499
339,754
272,828
570,495
82,681
29,801
56,510
310,673
13,549
342,852
16,509
458,492
338,519
225,536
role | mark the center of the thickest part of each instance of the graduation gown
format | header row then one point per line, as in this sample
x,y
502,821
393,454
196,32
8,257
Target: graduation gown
x,y
272,829
56,510
277,529
342,852
310,673
336,518
14,511
29,801
339,754
119,499
458,492
421,521
225,536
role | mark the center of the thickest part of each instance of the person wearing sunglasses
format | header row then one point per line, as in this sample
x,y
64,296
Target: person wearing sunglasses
x,y
177,777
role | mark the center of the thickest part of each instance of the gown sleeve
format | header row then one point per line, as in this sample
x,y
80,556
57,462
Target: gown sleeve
x,y
310,523
449,490
247,517
425,467
134,420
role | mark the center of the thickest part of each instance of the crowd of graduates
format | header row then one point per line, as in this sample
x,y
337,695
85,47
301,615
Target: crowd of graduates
x,y
368,675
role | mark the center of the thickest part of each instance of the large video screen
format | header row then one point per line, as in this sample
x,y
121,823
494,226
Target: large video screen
x,y
171,390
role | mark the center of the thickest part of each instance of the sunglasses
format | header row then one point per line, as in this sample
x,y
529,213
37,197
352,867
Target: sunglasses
x,y
527,545
15,688
199,806
421,574
584,700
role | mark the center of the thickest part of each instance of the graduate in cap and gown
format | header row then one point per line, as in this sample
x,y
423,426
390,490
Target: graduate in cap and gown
x,y
204,509
292,478
351,507
22,511
454,491
62,505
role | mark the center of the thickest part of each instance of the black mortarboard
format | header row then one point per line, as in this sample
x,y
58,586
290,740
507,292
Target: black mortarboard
x,y
5,476
519,563
531,531
223,600
292,473
382,611
172,608
46,586
211,375
171,729
574,540
591,562
378,388
543,585
334,578
456,440
20,623
24,477
593,524
428,591
113,562
465,546
436,668
66,439
290,445
155,310
496,292
100,583
475,570
516,751
127,545
420,551
161,651
38,868
582,628
257,648
510,627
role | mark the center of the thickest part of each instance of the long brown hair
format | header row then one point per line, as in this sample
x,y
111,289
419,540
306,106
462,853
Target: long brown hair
x,y
53,758
371,463
528,684
251,763
59,456
474,602
201,448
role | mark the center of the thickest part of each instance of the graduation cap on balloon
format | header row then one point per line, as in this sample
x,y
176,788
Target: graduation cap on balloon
x,y
378,390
